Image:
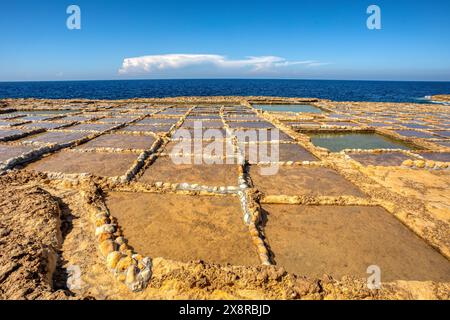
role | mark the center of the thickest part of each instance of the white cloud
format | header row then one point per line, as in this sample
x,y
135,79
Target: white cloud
x,y
158,64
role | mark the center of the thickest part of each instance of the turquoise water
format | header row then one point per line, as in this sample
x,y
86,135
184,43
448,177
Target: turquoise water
x,y
336,142
304,108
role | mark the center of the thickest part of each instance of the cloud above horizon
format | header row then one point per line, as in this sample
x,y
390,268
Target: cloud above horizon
x,y
168,63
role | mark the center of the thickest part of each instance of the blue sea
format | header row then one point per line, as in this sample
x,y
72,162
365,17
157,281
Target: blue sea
x,y
382,91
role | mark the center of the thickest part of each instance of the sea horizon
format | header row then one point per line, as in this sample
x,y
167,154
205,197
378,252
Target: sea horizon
x,y
218,78
337,90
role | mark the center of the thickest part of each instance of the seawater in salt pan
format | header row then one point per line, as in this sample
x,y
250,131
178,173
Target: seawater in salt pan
x,y
297,108
337,142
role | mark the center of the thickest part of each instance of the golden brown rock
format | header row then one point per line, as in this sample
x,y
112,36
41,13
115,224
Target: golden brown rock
x,y
131,276
430,164
106,247
104,236
112,259
408,163
124,247
420,164
101,221
124,264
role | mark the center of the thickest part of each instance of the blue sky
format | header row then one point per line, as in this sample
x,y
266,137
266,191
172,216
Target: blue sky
x,y
321,39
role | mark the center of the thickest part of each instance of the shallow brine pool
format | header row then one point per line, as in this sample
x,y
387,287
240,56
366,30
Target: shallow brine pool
x,y
337,142
297,108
